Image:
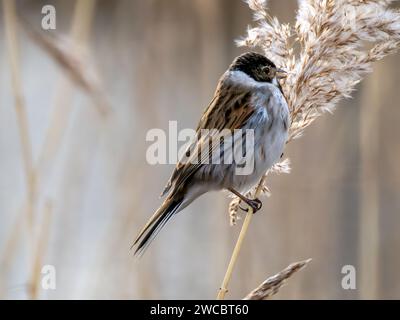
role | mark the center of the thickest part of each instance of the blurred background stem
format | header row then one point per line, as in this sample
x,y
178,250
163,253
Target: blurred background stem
x,y
79,35
11,30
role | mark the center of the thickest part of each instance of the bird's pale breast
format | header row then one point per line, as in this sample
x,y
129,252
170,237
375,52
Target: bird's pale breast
x,y
270,125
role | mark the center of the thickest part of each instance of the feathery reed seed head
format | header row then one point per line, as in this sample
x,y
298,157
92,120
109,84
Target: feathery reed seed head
x,y
326,54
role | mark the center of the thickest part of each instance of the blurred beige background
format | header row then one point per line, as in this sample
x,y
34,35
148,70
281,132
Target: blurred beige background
x,y
159,60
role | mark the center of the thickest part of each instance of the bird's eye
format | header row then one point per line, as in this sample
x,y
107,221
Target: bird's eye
x,y
265,69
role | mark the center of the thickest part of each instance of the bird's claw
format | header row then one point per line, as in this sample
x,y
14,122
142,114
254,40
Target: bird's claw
x,y
255,204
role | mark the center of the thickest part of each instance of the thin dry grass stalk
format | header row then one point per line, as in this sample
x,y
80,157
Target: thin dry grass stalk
x,y
11,29
9,249
41,244
332,40
79,34
27,213
228,275
272,285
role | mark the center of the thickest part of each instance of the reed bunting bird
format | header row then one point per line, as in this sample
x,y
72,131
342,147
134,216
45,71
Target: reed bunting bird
x,y
248,97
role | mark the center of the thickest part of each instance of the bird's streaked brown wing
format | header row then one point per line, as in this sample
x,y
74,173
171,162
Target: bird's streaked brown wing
x,y
229,109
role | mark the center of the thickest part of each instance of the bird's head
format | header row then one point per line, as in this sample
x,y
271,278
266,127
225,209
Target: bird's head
x,y
257,66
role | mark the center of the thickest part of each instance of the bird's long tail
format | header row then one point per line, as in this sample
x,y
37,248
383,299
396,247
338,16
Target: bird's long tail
x,y
156,223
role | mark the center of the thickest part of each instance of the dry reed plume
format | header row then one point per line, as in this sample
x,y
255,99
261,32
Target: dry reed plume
x,y
332,39
272,285
326,53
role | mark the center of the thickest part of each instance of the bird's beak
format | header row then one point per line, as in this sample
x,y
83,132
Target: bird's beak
x,y
280,73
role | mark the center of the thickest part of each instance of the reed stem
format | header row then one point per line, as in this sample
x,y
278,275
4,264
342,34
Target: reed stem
x,y
235,254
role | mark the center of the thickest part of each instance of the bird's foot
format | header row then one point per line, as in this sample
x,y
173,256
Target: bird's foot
x,y
255,204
